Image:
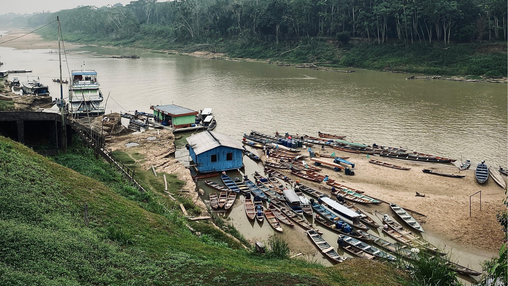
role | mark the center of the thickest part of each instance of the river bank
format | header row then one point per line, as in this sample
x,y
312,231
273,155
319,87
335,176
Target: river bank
x,y
443,201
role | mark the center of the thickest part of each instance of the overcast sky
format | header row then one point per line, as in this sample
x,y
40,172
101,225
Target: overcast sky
x,y
31,6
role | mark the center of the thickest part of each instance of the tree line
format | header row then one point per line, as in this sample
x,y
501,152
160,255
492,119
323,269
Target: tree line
x,y
378,21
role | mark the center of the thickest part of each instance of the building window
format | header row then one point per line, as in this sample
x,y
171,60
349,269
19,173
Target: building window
x,y
214,158
229,156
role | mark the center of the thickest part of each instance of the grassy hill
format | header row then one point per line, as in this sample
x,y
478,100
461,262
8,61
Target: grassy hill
x,y
132,238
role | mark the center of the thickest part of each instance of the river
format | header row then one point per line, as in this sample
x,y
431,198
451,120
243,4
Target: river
x,y
452,119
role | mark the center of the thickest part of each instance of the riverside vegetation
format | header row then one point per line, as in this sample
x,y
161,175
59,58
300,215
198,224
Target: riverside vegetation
x,y
439,37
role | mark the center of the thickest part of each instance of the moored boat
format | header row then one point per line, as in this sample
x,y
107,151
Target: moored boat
x,y
256,191
249,208
385,164
217,186
324,247
223,198
482,173
272,220
279,215
34,87
428,171
331,136
406,217
366,247
259,210
230,200
344,212
503,171
85,96
229,183
496,176
214,200
465,165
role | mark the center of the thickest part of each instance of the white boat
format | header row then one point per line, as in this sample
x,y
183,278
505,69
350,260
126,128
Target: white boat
x,y
34,87
405,216
85,96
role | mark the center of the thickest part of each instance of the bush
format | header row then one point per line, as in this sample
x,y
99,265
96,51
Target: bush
x,y
343,37
278,247
432,270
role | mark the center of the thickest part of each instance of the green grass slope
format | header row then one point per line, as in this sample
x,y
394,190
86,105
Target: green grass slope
x,y
131,238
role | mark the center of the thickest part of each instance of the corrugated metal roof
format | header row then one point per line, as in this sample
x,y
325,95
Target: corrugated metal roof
x,y
340,208
174,109
291,196
208,140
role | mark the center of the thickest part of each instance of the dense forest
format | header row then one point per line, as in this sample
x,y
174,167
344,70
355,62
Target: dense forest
x,y
274,20
395,35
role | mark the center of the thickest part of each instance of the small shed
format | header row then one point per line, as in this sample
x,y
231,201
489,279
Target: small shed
x,y
174,115
215,152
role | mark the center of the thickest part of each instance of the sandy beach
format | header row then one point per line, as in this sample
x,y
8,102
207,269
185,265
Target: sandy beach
x,y
445,205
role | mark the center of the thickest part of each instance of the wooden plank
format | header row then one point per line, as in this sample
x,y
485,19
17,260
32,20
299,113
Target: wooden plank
x,y
200,218
165,183
154,173
183,210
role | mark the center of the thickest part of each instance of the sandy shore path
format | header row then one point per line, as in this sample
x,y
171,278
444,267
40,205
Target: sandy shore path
x,y
23,40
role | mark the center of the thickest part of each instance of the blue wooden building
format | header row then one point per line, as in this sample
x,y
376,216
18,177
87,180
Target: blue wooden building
x,y
215,152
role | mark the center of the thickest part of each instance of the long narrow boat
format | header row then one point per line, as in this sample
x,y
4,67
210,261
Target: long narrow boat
x,y
271,183
339,160
394,248
258,205
249,208
482,173
243,187
331,136
273,173
214,200
296,218
253,156
353,196
354,250
314,177
385,164
503,171
217,186
270,192
272,220
415,157
406,217
255,190
324,247
344,212
335,184
309,191
337,227
414,240
323,212
366,247
230,201
279,215
229,183
364,217
253,144
428,171
496,176
223,198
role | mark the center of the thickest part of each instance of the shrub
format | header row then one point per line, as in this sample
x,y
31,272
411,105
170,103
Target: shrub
x,y
278,247
432,270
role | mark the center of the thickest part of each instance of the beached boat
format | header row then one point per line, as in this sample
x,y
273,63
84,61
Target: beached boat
x,y
223,198
385,164
253,144
229,183
85,96
256,191
34,87
462,269
333,183
323,212
339,227
354,250
230,201
324,247
279,215
258,205
308,190
304,203
416,157
342,211
266,190
272,183
366,247
274,173
214,200
308,175
394,248
353,196
331,136
428,171
249,208
496,176
503,171
482,173
217,186
414,241
406,217
465,165
293,216
272,220
253,156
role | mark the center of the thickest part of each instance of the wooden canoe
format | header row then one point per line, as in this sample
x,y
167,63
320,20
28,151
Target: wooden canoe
x,y
217,186
249,209
428,171
279,215
214,200
482,173
331,136
272,220
344,239
324,247
385,164
406,217
258,209
223,198
496,176
230,201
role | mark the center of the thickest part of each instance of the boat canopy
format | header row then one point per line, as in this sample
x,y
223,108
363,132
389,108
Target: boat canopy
x,y
339,208
207,111
344,142
208,119
291,196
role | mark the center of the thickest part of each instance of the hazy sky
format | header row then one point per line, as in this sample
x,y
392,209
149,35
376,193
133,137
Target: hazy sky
x,y
31,6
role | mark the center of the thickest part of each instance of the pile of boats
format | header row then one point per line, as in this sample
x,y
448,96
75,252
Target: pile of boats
x,y
278,200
